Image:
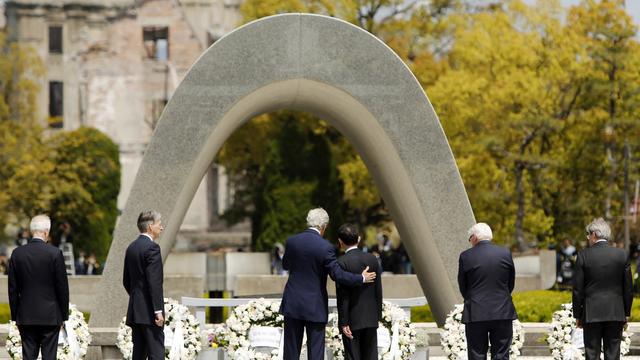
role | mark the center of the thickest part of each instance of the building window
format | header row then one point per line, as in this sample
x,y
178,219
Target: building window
x,y
55,104
55,39
156,42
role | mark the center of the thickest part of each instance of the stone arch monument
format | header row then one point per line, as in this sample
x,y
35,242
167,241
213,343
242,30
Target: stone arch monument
x,y
329,68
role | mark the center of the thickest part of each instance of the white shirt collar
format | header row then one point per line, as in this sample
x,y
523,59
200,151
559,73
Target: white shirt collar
x,y
351,248
37,237
147,235
312,228
600,240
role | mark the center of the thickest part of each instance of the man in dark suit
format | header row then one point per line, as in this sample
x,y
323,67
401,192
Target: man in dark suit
x,y
359,308
38,292
486,277
309,259
142,279
602,294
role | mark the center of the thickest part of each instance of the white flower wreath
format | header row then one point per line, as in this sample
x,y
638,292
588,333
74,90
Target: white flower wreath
x,y
178,320
259,312
77,338
391,314
454,341
560,336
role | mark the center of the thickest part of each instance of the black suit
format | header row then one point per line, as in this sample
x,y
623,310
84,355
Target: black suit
x,y
142,279
38,297
486,277
602,298
360,307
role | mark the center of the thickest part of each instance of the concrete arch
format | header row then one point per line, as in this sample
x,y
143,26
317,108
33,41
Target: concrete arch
x,y
333,69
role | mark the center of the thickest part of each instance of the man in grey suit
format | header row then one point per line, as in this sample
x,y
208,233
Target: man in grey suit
x,y
602,294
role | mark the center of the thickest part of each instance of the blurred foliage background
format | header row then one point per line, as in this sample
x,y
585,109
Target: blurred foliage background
x,y
538,103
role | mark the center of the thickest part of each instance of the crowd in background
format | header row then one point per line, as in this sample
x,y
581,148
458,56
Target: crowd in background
x,y
84,264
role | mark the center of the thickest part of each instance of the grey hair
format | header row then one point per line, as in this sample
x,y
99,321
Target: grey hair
x,y
40,223
147,218
482,231
317,218
600,228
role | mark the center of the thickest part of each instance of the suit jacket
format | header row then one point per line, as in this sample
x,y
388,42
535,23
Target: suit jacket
x,y
359,307
142,278
38,285
602,284
486,277
309,259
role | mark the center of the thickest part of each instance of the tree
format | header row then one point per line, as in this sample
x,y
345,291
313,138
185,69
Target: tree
x,y
87,174
22,151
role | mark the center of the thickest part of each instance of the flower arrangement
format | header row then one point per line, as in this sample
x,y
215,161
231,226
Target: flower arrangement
x,y
215,337
392,315
454,341
178,321
560,336
77,338
259,312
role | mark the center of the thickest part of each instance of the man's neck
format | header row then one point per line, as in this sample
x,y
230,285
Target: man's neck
x,y
147,235
351,248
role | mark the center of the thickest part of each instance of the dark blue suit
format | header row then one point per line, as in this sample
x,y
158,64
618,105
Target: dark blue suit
x,y
486,277
309,259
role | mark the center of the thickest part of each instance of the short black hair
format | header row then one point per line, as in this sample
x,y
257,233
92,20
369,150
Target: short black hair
x,y
348,233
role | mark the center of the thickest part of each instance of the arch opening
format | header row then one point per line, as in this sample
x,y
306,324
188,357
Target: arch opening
x,y
386,117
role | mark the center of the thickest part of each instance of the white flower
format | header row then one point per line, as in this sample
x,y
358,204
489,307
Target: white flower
x,y
174,312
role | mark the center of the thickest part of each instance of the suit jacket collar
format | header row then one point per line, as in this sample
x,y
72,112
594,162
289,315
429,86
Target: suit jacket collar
x,y
36,240
312,231
601,244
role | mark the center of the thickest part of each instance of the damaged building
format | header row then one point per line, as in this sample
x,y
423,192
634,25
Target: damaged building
x,y
113,65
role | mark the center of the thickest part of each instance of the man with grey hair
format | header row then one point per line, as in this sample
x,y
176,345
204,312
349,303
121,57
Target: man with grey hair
x,y
486,277
38,292
309,258
602,294
142,278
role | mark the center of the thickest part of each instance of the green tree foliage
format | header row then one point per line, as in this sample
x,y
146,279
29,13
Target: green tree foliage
x,y
72,176
87,170
537,102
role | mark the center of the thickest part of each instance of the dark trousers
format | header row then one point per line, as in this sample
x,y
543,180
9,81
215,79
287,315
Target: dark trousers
x,y
36,338
293,333
363,346
608,333
148,341
497,332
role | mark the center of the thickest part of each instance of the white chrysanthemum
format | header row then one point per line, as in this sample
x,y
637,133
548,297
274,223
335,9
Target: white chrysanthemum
x,y
75,323
174,312
390,314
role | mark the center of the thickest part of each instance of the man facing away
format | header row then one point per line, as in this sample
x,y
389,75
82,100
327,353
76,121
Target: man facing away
x,y
142,279
309,258
486,276
602,294
38,292
359,308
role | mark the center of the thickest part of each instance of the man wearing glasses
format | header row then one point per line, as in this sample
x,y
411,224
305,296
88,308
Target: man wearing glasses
x,y
602,293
